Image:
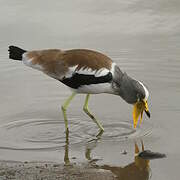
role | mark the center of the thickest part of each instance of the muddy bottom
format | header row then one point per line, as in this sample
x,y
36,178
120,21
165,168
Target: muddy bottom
x,y
138,169
51,171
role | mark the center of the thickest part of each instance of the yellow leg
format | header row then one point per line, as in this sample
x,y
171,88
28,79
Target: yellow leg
x,y
64,109
66,154
86,110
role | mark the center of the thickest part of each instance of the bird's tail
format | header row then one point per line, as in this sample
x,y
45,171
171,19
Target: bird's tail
x,y
16,53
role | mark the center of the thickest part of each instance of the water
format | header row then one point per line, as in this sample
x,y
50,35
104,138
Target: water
x,y
142,37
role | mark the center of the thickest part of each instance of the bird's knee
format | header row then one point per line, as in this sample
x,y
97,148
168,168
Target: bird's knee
x,y
85,109
63,108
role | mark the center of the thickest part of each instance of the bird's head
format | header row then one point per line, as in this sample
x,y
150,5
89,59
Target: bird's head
x,y
141,104
135,92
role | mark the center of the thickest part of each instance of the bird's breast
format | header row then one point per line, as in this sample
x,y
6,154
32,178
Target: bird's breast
x,y
95,88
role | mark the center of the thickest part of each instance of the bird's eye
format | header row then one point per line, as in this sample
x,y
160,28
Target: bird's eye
x,y
138,98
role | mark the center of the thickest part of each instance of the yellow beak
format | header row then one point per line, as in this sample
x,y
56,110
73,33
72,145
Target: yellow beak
x,y
138,109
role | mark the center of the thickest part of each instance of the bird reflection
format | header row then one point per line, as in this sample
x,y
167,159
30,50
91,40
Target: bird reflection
x,y
137,170
90,145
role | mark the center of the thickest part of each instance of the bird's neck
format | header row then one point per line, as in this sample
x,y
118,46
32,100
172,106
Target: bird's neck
x,y
124,85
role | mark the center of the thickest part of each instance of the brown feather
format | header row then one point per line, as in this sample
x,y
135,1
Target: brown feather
x,y
56,61
87,58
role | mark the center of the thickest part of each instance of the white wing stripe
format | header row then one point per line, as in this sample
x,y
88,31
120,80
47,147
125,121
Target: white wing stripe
x,y
86,71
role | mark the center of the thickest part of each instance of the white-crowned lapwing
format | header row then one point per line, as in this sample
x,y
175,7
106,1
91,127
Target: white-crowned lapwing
x,y
88,72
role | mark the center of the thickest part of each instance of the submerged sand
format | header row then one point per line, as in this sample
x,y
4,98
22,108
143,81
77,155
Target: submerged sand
x,y
51,171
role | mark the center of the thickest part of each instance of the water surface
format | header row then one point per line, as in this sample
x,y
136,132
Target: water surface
x,y
142,37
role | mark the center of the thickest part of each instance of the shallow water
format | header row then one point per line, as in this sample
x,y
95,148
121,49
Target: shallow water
x,y
141,37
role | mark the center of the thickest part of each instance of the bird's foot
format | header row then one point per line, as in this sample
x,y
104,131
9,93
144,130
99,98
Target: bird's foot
x,y
100,133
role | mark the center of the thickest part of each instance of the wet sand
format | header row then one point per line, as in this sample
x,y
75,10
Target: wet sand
x,y
138,169
51,171
141,37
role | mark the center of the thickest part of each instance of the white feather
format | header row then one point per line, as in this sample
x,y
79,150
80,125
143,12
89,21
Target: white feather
x,y
96,88
113,68
86,71
70,71
146,91
28,62
101,72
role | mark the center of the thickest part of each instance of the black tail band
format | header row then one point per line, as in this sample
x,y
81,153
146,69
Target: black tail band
x,y
16,53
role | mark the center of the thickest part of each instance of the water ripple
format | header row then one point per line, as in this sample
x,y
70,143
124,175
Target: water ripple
x,y
46,134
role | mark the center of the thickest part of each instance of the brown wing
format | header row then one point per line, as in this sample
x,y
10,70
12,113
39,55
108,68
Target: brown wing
x,y
56,62
86,58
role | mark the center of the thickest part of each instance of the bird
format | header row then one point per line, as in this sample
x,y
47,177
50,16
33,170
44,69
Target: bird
x,y
88,72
